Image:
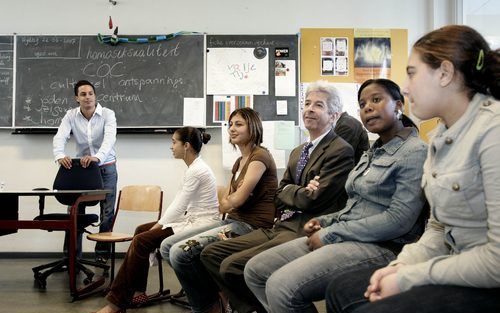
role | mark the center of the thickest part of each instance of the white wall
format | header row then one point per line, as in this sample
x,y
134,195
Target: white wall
x,y
26,160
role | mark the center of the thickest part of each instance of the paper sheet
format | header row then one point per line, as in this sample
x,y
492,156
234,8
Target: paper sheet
x,y
194,112
284,78
281,107
284,135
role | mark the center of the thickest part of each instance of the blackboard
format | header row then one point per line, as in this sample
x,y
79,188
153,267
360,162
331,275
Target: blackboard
x,y
145,84
264,104
6,79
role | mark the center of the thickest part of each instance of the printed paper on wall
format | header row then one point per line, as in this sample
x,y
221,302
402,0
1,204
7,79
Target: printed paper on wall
x,y
224,105
334,56
238,71
284,78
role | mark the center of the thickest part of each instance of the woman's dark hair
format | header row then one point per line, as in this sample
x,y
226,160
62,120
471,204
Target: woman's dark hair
x,y
394,91
254,123
81,83
194,136
469,53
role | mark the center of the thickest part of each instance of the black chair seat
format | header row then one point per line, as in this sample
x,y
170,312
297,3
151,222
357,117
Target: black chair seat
x,y
82,221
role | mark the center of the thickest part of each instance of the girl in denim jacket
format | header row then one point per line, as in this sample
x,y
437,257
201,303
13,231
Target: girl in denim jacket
x,y
455,267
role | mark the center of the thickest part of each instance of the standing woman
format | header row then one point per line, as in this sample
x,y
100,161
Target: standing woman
x,y
196,202
455,266
248,204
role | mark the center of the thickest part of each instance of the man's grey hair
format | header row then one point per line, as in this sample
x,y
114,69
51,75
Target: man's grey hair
x,y
333,100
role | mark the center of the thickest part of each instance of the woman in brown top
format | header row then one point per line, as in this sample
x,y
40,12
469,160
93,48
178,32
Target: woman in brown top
x,y
248,203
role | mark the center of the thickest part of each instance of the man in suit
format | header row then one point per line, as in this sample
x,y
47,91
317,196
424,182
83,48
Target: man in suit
x,y
326,158
352,131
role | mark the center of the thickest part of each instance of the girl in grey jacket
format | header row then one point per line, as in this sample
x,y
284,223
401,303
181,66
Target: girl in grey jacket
x,y
455,266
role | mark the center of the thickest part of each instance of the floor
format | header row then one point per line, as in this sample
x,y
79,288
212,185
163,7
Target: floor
x,y
18,293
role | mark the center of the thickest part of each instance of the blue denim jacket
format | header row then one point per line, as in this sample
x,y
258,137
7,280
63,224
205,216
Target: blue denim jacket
x,y
385,197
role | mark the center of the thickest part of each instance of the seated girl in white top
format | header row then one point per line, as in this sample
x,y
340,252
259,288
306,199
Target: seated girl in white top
x,y
196,202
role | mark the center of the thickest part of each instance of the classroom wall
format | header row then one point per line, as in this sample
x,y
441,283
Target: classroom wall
x,y
26,160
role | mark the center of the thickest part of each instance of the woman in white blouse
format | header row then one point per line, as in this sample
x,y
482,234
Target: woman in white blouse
x,y
196,202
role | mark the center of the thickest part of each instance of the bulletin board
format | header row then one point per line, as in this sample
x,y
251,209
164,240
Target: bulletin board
x,y
352,55
258,71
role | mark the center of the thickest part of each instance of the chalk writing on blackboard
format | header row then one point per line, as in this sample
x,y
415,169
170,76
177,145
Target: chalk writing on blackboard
x,y
145,84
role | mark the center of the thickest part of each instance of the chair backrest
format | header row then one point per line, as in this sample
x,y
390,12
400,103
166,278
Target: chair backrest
x,y
77,178
140,198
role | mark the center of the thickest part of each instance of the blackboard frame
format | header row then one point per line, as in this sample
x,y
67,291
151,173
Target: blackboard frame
x,y
6,80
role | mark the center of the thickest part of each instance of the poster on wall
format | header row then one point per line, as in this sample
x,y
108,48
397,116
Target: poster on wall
x,y
334,56
223,106
238,71
372,54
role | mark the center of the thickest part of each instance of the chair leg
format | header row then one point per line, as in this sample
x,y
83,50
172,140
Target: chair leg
x,y
161,295
180,299
90,289
41,276
112,263
102,266
91,286
89,273
48,265
41,273
160,271
164,294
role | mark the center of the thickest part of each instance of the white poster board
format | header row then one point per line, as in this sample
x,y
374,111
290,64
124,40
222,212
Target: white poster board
x,y
237,71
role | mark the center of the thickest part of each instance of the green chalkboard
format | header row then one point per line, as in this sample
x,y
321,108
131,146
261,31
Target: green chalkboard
x,y
145,84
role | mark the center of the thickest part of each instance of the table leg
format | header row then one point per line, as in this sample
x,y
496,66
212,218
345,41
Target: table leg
x,y
72,249
9,205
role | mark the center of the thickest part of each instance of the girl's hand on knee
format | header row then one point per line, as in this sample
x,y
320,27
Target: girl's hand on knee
x,y
373,289
388,287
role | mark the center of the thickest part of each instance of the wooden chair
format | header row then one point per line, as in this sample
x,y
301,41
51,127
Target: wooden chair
x,y
138,198
178,298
